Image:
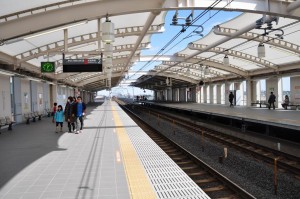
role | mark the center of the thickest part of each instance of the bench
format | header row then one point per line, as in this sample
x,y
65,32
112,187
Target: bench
x,y
292,104
6,121
32,116
48,112
260,103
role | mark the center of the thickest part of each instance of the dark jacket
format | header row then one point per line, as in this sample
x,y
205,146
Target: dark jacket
x,y
70,112
231,96
272,98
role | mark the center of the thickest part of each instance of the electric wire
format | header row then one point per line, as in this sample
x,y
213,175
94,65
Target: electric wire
x,y
184,28
222,52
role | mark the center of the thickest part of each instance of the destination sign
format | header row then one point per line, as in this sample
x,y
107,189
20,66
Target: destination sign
x,y
82,65
81,61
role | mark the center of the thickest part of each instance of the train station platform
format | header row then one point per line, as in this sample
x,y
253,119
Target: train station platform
x,y
283,125
111,158
278,117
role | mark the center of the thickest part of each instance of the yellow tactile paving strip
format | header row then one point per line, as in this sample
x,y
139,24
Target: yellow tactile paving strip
x,y
138,181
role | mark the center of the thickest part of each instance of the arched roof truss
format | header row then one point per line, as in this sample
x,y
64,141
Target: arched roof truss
x,y
135,23
235,53
58,46
261,39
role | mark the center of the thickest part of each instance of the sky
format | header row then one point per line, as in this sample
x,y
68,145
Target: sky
x,y
158,41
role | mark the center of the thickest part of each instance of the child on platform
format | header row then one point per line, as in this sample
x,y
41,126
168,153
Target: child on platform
x,y
59,118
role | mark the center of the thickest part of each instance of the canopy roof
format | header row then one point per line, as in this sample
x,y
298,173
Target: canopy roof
x,y
36,31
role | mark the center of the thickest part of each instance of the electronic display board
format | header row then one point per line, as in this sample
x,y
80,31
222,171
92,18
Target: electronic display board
x,y
47,67
82,65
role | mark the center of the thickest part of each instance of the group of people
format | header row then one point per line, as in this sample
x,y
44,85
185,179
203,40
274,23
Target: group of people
x,y
271,100
73,115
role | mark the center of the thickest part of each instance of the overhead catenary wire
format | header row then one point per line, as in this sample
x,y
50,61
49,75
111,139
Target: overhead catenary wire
x,y
207,58
184,28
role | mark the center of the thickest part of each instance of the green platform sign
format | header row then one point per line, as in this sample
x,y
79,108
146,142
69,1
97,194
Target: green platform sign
x,y
47,67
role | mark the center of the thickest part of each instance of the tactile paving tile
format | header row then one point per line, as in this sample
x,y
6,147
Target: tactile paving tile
x,y
168,179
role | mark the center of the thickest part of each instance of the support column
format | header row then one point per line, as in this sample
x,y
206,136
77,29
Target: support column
x,y
33,96
272,86
198,94
53,94
17,99
211,93
256,90
194,94
46,96
218,94
238,93
5,101
169,94
182,95
205,93
227,88
249,92
295,90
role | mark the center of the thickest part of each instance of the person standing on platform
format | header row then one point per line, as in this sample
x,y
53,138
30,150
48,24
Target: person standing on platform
x,y
272,100
231,97
70,114
59,118
80,112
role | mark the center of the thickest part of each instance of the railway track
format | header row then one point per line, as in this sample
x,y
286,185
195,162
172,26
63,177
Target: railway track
x,y
286,162
212,182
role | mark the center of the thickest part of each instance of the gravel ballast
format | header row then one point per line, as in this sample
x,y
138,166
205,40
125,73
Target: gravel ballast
x,y
254,176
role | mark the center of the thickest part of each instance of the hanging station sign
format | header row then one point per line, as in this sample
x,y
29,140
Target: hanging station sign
x,y
82,65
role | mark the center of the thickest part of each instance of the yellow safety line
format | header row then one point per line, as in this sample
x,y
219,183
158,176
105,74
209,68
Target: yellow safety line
x,y
138,181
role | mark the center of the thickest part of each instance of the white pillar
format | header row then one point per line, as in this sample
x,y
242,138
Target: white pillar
x,y
198,94
239,93
272,86
205,93
218,93
17,99
211,93
215,94
227,88
249,92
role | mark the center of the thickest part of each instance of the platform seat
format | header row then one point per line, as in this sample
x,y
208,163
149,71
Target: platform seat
x,y
6,121
260,103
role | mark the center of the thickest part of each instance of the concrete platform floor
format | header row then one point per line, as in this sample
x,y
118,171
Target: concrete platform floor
x,y
36,162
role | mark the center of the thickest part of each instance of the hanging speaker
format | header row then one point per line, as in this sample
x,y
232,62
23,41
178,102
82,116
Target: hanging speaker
x,y
201,83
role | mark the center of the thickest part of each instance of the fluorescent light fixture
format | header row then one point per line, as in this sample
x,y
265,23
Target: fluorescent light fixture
x,y
226,60
54,30
6,73
33,79
11,41
261,51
